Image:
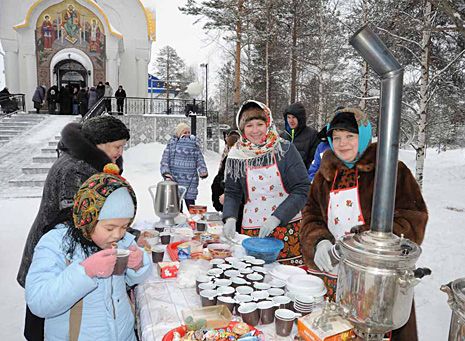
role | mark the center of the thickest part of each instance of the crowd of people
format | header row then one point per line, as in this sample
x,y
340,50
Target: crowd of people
x,y
77,100
304,187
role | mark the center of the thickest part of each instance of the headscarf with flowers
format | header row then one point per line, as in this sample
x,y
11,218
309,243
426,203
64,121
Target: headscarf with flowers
x,y
91,197
244,152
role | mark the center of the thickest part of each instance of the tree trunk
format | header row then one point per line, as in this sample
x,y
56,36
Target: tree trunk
x,y
167,86
424,83
321,67
293,55
237,66
267,55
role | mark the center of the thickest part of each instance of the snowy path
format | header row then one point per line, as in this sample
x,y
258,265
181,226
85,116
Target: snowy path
x,y
442,248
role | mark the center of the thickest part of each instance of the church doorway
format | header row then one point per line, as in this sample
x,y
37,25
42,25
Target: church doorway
x,y
72,73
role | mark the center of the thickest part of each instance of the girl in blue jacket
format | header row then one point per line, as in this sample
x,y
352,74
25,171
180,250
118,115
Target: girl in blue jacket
x,y
71,282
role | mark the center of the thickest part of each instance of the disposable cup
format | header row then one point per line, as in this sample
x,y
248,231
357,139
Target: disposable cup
x,y
122,256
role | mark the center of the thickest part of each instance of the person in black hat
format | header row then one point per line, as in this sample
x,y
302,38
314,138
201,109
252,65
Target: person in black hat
x,y
341,198
83,150
322,147
302,136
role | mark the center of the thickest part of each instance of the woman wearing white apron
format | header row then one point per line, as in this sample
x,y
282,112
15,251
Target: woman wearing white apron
x,y
341,197
269,173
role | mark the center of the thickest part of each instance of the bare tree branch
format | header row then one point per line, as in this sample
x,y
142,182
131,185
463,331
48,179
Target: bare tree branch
x,y
399,37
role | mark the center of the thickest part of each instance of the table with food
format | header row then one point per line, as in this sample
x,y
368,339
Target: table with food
x,y
207,287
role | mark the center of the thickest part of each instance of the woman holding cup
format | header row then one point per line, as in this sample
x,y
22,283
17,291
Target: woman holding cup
x,y
73,267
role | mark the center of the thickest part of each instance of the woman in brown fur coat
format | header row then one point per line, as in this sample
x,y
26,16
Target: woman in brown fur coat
x,y
341,198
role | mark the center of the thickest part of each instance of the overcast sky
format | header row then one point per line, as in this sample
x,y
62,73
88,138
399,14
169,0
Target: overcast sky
x,y
188,39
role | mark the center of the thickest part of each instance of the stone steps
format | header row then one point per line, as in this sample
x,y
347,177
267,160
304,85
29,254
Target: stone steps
x,y
37,168
29,180
11,132
16,124
4,124
53,143
44,159
49,151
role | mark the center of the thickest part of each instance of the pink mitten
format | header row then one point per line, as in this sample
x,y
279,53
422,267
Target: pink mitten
x,y
135,258
100,264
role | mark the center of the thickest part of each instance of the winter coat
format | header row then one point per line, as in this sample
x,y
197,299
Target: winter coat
x,y
78,160
53,287
304,138
410,212
322,147
65,101
183,160
93,98
39,95
83,102
120,95
108,91
295,181
218,186
52,94
100,91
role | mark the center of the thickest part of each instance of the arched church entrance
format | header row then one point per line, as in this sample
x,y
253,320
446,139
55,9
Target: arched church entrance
x,y
70,31
72,73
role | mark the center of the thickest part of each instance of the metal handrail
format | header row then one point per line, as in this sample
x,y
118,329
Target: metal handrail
x,y
97,109
142,106
11,103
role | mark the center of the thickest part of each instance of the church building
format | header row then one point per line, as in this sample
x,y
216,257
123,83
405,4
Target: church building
x,y
76,43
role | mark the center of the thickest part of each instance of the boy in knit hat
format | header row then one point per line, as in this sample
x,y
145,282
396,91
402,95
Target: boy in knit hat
x,y
183,162
71,275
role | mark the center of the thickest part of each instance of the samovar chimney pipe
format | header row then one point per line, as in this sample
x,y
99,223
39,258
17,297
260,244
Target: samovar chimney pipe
x,y
377,55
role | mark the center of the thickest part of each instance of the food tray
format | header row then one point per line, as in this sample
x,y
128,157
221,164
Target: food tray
x,y
182,330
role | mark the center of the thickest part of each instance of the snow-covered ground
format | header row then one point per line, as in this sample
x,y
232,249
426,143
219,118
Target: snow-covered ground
x,y
442,248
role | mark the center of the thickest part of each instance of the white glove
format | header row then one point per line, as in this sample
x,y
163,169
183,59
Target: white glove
x,y
229,228
322,258
268,226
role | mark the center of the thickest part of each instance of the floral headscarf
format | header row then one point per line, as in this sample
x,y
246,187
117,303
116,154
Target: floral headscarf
x,y
90,198
245,152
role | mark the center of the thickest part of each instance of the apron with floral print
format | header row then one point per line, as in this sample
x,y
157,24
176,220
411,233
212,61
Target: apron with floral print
x,y
344,212
265,193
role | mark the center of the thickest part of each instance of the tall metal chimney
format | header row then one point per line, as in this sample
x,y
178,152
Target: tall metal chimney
x,y
377,55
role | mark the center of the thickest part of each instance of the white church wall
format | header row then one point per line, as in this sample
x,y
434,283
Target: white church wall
x,y
2,67
135,56
128,64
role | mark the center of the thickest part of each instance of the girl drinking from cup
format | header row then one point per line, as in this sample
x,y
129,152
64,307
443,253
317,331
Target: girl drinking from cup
x,y
71,282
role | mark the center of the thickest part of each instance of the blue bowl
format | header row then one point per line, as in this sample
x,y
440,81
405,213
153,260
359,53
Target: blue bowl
x,y
263,248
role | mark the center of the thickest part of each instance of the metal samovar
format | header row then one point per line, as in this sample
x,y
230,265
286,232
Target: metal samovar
x,y
456,292
377,268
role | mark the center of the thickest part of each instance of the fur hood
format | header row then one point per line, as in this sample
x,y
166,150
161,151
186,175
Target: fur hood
x,y
330,163
75,144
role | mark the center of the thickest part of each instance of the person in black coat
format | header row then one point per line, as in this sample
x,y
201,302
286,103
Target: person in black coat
x,y
52,99
100,90
83,100
120,95
302,136
218,182
65,101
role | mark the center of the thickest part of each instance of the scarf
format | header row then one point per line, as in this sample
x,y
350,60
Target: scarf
x,y
245,153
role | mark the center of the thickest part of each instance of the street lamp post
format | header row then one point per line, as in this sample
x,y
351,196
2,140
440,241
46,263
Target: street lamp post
x,y
205,65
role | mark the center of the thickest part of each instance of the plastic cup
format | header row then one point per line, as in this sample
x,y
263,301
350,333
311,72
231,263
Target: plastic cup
x,y
165,238
267,309
249,313
284,321
158,253
122,257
